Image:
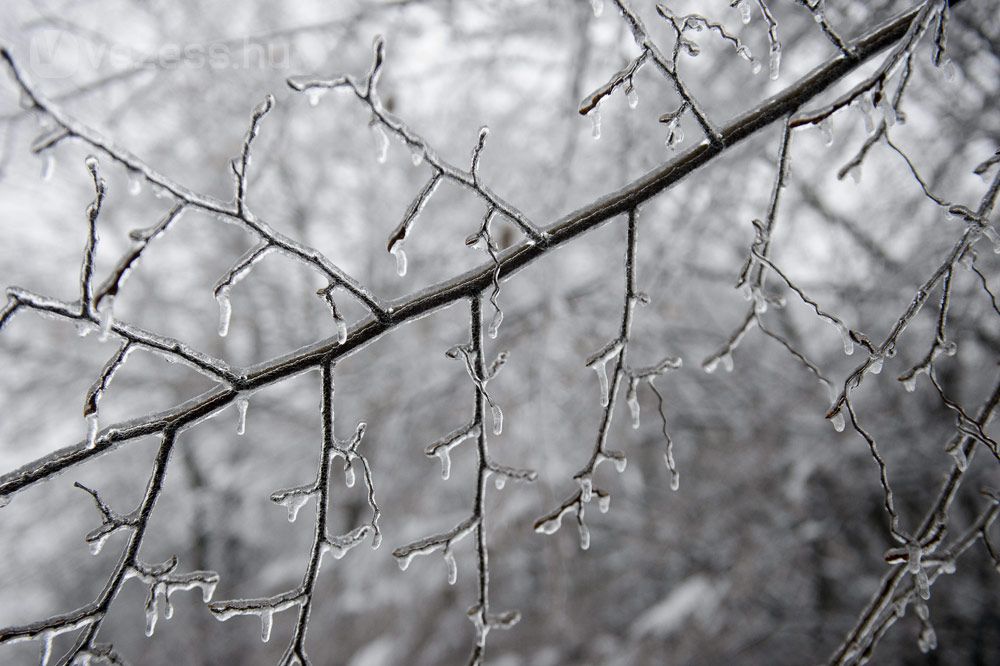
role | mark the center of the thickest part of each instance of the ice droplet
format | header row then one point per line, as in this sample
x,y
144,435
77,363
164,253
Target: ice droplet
x,y
494,329
775,61
604,503
500,481
397,251
349,475
826,129
48,166
449,561
837,419
550,526
92,427
241,415
497,420
711,364
744,9
341,330
632,398
910,383
225,311
293,502
595,120
632,96
416,156
598,7
442,453
675,479
875,367
727,361
845,336
584,535
586,488
266,621
404,561
315,94
756,67
134,182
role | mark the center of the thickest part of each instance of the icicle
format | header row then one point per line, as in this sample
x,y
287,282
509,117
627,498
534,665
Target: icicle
x,y
500,481
97,544
91,430
867,109
910,383
621,462
675,479
381,143
603,503
602,377
241,415
927,640
595,120
46,648
845,336
837,419
225,311
315,94
586,488
495,324
631,95
584,534
48,166
598,7
744,9
442,453
775,62
961,462
151,617
396,250
293,502
876,364
349,475
826,129
449,561
341,330
497,420
632,398
266,621
107,318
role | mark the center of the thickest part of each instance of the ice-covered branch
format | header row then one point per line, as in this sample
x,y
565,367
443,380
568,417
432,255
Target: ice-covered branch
x,y
382,120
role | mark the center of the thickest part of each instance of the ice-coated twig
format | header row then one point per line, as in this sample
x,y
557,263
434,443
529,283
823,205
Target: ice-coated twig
x,y
293,499
97,389
181,194
668,67
367,93
615,352
240,270
87,302
479,614
623,77
485,236
395,244
875,82
241,167
429,300
815,7
90,617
